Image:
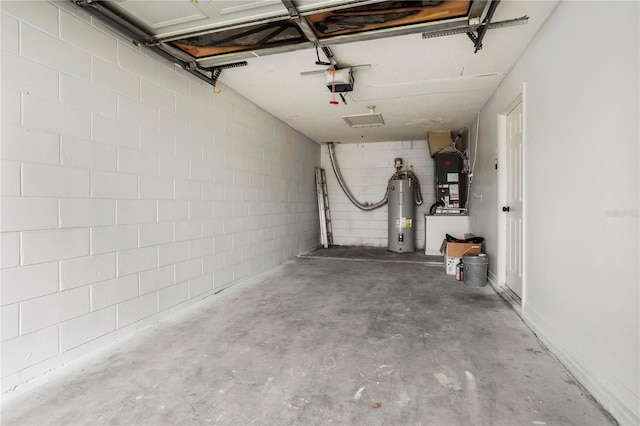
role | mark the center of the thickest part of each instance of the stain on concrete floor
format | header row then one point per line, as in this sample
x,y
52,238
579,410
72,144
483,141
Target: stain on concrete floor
x,y
324,341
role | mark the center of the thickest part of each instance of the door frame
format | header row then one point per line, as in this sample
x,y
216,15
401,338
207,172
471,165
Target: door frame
x,y
501,163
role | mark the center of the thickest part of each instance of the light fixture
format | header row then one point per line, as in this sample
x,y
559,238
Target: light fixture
x,y
372,119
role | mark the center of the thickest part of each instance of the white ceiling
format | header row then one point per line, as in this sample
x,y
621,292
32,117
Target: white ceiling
x,y
418,85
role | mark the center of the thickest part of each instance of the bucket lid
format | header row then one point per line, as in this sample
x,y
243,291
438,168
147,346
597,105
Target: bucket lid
x,y
473,258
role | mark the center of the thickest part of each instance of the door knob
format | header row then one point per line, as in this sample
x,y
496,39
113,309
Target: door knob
x,y
505,209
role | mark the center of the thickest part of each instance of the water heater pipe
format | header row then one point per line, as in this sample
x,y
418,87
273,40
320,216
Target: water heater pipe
x,y
345,188
412,178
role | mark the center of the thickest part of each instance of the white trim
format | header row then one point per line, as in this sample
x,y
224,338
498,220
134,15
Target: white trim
x,y
501,264
507,295
585,373
517,101
523,170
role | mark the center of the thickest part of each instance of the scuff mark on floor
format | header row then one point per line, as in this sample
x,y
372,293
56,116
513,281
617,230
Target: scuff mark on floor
x,y
384,370
267,383
447,381
472,394
297,372
443,380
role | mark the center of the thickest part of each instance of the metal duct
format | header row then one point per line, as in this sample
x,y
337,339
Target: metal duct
x,y
345,188
399,174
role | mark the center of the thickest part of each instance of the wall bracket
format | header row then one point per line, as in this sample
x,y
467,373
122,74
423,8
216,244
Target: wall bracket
x,y
482,28
217,70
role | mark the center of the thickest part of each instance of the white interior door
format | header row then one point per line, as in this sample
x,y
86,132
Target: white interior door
x,y
513,207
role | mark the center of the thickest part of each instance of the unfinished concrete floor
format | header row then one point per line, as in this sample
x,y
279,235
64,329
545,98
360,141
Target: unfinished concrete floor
x,y
324,341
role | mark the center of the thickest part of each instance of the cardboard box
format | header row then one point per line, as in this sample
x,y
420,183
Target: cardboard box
x,y
440,142
453,253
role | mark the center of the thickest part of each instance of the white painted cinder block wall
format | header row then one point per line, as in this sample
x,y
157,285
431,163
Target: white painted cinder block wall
x,y
581,193
129,190
367,167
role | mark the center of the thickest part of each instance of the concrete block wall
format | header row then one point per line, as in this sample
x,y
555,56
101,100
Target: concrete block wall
x,y
367,168
129,189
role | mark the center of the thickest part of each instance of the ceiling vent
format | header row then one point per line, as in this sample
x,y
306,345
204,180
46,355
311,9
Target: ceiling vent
x,y
373,119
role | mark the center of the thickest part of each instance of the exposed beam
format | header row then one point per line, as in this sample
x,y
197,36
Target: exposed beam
x,y
301,21
200,67
477,12
482,29
340,39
